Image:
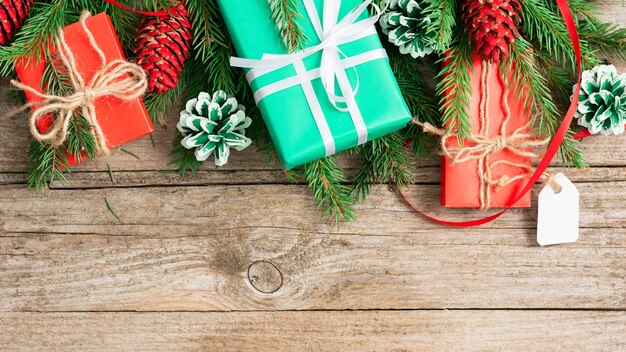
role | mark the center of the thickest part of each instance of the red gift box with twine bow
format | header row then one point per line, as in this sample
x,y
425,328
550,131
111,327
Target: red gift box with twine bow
x,y
491,167
121,121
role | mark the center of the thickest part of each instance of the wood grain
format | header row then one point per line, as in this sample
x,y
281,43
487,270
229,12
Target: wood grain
x,y
475,269
176,211
373,331
235,259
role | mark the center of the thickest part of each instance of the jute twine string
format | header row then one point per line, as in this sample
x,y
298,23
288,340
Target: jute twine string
x,y
118,78
480,146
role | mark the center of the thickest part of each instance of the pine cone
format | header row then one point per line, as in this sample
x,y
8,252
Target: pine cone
x,y
492,25
12,16
163,47
405,25
215,123
602,100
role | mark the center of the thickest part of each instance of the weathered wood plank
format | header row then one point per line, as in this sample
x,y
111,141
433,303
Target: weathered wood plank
x,y
304,270
172,211
14,149
316,331
422,175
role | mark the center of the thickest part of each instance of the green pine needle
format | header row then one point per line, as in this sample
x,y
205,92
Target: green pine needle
x,y
420,99
285,14
48,163
443,18
37,33
130,153
111,209
158,105
327,179
543,24
110,173
454,88
183,159
532,87
384,160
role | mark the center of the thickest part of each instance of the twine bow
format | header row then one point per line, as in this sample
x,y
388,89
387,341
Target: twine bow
x,y
118,78
480,146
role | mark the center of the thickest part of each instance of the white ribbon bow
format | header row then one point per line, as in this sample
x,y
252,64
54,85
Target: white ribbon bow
x,y
333,65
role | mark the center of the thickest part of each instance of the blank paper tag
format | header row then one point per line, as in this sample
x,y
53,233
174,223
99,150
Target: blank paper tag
x,y
557,221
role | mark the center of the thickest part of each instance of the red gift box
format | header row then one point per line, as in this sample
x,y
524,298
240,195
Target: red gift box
x,y
502,173
121,121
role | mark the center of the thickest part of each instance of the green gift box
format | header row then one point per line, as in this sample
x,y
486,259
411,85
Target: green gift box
x,y
335,94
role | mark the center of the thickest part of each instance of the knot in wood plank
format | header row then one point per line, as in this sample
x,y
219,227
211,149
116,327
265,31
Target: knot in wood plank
x,y
265,276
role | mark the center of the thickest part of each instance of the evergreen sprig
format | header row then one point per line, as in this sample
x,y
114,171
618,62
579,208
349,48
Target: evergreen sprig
x,y
48,163
443,17
37,33
183,159
384,160
531,86
454,86
285,14
420,99
326,179
545,26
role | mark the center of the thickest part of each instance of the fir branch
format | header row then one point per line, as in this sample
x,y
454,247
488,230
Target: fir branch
x,y
261,136
183,159
326,180
531,86
207,27
125,24
454,87
545,26
158,105
420,99
47,164
213,76
558,78
610,39
384,161
285,15
443,17
37,33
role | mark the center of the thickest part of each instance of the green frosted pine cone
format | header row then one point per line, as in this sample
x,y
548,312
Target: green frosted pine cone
x,y
214,125
406,26
602,101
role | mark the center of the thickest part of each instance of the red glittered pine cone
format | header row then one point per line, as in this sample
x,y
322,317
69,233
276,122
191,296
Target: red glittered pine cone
x,y
493,26
163,45
12,16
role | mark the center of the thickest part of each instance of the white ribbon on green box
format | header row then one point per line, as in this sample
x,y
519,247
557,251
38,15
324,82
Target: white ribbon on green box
x,y
333,66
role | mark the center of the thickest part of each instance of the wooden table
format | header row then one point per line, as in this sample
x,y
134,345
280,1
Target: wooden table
x,y
236,259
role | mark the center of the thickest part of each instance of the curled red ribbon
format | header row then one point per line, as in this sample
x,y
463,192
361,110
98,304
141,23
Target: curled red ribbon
x,y
160,13
554,144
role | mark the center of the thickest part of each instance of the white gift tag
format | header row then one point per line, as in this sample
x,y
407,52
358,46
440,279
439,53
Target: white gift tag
x,y
558,218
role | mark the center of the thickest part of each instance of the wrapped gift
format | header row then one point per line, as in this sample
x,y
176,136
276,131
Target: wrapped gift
x,y
337,93
489,169
120,120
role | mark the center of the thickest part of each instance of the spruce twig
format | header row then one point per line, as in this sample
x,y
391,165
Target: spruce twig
x,y
531,86
326,180
443,18
384,161
454,87
285,14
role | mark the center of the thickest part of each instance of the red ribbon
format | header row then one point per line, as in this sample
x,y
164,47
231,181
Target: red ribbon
x,y
554,144
160,13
